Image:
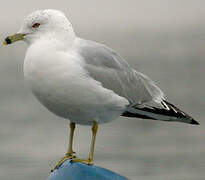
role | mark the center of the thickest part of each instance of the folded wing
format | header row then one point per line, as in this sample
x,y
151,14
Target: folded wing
x,y
114,73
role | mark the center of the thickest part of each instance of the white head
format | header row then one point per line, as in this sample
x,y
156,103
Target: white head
x,y
43,24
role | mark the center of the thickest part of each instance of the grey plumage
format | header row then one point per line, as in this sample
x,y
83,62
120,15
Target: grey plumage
x,y
114,73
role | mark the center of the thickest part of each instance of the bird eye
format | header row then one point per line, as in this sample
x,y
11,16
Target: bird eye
x,y
36,25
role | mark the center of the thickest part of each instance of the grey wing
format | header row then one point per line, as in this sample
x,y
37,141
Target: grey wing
x,y
114,73
146,99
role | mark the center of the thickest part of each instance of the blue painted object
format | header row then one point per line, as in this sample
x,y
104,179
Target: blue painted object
x,y
79,171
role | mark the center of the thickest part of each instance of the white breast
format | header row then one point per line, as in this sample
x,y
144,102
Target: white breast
x,y
60,83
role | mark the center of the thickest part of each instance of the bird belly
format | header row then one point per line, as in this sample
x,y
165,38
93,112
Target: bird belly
x,y
67,91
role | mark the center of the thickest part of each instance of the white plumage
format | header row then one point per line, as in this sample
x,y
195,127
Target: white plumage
x,y
84,81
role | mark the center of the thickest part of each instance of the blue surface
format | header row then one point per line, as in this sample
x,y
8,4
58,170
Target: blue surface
x,y
79,171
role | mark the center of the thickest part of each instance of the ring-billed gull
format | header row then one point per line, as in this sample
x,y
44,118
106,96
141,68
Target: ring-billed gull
x,y
84,81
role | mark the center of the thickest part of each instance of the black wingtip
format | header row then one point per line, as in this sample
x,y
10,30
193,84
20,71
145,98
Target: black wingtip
x,y
194,122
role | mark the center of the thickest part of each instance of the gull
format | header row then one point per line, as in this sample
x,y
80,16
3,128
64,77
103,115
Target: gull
x,y
84,81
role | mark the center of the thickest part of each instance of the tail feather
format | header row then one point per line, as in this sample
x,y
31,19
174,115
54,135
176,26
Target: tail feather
x,y
168,113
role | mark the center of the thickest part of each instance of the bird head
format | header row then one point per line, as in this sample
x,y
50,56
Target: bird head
x,y
43,24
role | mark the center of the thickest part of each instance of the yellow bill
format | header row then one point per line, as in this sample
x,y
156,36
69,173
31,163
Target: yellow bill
x,y
13,38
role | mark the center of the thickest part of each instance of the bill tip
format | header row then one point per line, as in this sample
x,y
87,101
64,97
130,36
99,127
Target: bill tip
x,y
7,41
4,43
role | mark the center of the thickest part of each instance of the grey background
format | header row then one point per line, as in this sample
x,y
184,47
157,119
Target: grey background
x,y
164,39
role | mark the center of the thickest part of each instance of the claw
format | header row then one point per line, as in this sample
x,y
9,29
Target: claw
x,y
67,157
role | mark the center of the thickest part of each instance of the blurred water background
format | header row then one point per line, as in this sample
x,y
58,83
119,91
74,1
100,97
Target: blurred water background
x,y
163,39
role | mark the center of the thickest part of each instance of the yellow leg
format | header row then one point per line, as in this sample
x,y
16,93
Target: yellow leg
x,y
92,149
70,147
70,153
